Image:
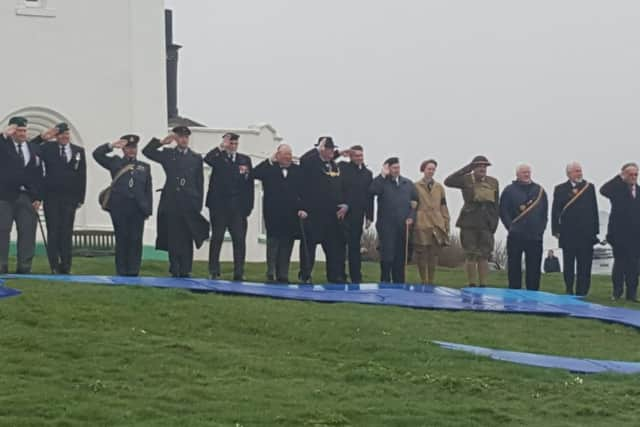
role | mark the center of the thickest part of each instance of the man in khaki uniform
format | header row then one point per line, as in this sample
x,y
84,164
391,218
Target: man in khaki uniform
x,y
431,229
479,217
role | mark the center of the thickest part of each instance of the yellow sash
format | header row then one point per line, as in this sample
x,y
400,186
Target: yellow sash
x,y
574,199
530,208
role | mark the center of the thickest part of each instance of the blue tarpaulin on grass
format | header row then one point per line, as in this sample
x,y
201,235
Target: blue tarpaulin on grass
x,y
583,366
7,292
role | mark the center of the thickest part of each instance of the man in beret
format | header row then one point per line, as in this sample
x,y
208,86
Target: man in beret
x,y
180,223
20,193
64,188
323,212
479,217
130,202
397,199
230,202
356,180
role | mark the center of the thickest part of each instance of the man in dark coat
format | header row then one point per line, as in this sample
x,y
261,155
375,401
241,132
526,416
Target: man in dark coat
x,y
65,185
324,209
282,202
575,223
524,213
623,233
551,263
230,201
397,202
20,193
130,202
356,180
180,223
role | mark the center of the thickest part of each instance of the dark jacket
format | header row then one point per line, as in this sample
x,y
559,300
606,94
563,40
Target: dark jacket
x,y
134,185
478,215
552,265
394,208
515,199
355,187
282,198
228,182
579,224
322,193
15,177
62,178
624,220
183,191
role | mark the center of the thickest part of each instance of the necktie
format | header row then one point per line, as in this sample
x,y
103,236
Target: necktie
x,y
21,153
633,191
62,154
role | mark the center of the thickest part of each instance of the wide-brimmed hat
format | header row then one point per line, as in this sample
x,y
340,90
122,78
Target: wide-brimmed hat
x,y
480,161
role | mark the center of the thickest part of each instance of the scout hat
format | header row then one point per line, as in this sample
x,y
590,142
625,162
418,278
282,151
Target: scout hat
x,y
480,161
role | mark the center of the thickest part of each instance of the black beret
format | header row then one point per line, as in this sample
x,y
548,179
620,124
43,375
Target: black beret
x,y
181,131
480,161
132,140
62,127
392,161
232,136
328,142
20,122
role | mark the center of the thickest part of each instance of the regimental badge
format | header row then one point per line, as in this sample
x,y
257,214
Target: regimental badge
x,y
575,190
140,167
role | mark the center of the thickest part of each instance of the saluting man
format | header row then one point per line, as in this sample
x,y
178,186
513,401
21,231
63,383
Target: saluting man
x,y
575,223
180,223
130,201
65,185
20,193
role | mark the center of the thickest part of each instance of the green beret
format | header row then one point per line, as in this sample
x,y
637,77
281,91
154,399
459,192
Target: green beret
x,y
62,127
20,122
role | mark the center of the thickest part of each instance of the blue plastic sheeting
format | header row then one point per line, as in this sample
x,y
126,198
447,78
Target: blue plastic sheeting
x,y
7,292
584,366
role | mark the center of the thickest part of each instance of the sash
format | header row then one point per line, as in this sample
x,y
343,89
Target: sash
x,y
573,200
531,207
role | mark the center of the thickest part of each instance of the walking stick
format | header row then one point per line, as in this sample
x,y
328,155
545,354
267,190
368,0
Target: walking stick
x,y
406,249
44,240
305,248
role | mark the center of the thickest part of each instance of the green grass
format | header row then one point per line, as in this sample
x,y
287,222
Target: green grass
x,y
78,355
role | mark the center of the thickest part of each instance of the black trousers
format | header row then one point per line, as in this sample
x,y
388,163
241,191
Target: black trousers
x,y
532,250
236,222
21,211
180,244
333,244
394,271
128,224
354,236
580,259
625,271
60,214
279,257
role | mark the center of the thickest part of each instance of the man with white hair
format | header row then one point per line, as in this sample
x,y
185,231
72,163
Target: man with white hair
x,y
524,213
624,230
575,223
282,205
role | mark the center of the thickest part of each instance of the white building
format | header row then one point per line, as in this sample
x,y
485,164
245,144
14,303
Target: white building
x,y
101,66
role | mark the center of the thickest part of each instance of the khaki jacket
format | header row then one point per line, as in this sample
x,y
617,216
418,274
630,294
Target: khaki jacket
x,y
481,210
432,215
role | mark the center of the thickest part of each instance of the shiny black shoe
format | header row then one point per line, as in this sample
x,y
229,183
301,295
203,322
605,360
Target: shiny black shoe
x,y
238,279
4,270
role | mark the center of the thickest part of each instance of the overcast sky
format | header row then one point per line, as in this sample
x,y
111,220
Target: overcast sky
x,y
544,81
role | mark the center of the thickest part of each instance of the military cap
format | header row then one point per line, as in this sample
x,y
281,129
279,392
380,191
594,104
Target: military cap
x,y
20,122
480,161
132,140
328,142
392,161
181,131
232,136
62,127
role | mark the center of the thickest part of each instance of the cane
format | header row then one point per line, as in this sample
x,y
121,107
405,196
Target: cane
x,y
406,249
44,240
305,248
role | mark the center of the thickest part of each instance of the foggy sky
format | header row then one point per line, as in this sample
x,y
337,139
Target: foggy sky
x,y
543,82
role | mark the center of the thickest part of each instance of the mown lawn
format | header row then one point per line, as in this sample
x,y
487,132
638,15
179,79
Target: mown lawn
x,y
79,355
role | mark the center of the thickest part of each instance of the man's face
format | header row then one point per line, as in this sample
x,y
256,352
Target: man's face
x,y
284,157
575,173
182,141
394,170
326,153
480,171
130,151
429,171
21,134
64,138
524,174
630,175
550,254
357,157
231,146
